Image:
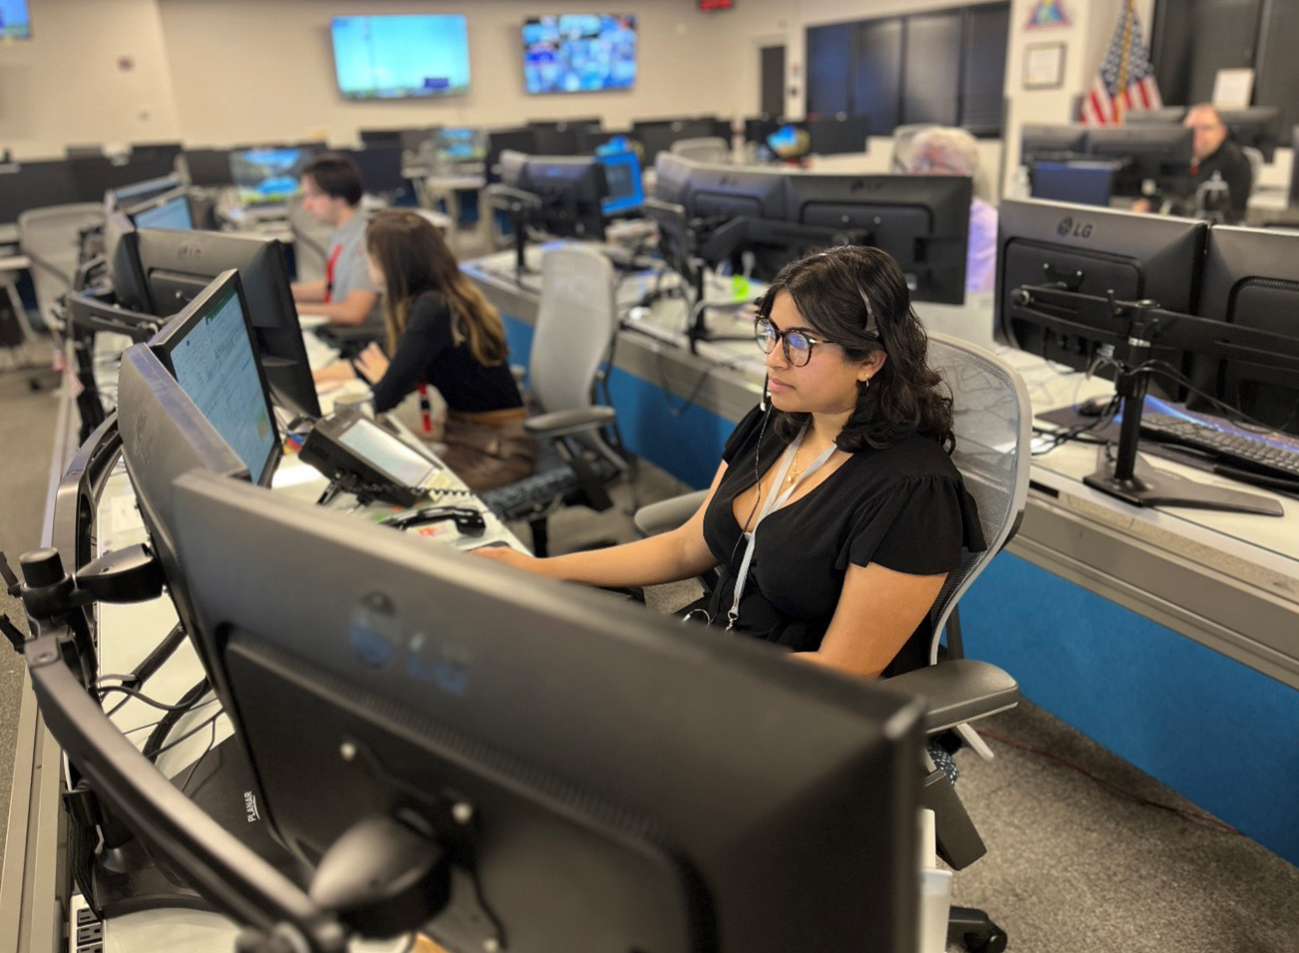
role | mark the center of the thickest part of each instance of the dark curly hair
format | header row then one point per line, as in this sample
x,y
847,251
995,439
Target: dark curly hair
x,y
856,297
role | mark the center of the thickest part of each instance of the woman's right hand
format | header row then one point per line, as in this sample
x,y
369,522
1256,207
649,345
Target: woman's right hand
x,y
508,555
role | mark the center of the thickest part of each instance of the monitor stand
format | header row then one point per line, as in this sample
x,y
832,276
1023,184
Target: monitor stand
x,y
126,880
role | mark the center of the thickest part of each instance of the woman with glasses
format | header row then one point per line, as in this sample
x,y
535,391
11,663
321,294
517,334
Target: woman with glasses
x,y
442,333
836,513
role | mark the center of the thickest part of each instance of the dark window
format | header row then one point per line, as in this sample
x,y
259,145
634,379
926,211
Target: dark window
x,y
944,66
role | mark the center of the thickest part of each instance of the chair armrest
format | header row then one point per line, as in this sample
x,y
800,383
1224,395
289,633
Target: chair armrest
x,y
960,690
667,514
561,423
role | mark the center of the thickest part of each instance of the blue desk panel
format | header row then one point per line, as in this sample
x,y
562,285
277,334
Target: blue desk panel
x,y
1221,733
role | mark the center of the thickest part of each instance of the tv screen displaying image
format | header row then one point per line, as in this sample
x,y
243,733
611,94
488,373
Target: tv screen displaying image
x,y
401,56
267,176
579,52
15,22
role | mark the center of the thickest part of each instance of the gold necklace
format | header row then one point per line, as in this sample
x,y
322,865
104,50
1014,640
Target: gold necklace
x,y
795,471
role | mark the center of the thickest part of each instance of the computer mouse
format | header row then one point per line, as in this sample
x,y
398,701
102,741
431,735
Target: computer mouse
x,y
1094,406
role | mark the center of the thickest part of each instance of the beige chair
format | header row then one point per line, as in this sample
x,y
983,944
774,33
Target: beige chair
x,y
52,239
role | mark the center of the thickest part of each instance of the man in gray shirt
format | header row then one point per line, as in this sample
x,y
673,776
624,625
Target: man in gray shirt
x,y
331,193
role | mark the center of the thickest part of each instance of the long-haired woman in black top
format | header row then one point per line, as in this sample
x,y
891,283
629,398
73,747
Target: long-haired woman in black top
x,y
836,513
442,333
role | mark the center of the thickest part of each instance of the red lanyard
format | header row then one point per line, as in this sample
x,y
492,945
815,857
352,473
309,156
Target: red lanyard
x,y
329,270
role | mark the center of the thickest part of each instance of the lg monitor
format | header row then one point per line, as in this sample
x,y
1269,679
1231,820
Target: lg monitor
x,y
1080,181
1041,141
547,770
835,135
1154,152
1257,127
170,210
209,168
571,191
579,52
922,221
623,174
267,175
401,56
657,135
175,266
208,348
1251,279
1095,252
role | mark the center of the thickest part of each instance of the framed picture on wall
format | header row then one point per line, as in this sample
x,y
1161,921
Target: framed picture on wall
x,y
1044,65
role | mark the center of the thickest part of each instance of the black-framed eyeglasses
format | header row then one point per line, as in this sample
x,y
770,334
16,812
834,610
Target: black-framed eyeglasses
x,y
796,342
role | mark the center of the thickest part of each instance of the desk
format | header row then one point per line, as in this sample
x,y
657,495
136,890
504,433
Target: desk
x,y
1169,635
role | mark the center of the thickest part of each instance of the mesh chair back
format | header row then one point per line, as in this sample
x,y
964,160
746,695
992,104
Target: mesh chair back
x,y
713,149
576,324
310,241
49,237
993,426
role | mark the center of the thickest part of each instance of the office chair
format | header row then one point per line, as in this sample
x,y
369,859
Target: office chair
x,y
904,138
713,149
992,423
51,238
579,450
1255,157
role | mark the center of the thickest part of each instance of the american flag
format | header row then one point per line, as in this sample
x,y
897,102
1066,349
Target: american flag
x,y
1126,80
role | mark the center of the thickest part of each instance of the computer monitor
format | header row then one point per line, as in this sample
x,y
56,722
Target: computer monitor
x,y
1251,279
562,137
95,175
176,266
208,348
454,145
139,192
521,140
380,166
1091,251
626,189
835,135
380,137
574,773
1080,181
169,210
1160,114
209,168
922,221
718,193
267,175
35,185
1151,152
1046,141
1257,127
164,434
571,189
657,135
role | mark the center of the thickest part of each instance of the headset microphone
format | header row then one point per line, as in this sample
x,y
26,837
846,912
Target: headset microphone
x,y
765,393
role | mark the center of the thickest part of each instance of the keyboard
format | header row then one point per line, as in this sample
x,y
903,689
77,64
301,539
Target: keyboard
x,y
1270,454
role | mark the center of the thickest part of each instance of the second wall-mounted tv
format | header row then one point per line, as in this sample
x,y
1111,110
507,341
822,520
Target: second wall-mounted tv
x,y
401,56
579,52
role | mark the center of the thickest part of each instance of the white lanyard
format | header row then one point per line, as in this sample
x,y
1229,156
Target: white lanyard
x,y
774,501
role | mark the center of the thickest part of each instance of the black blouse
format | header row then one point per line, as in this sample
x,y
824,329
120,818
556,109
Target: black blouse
x,y
904,507
428,352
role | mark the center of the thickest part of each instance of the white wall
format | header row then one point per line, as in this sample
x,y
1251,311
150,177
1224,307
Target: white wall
x,y
263,69
66,85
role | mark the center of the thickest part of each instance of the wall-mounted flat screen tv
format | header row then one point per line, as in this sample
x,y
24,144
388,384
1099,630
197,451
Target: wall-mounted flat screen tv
x,y
579,52
15,22
401,56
